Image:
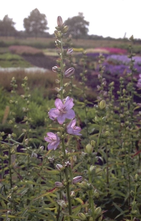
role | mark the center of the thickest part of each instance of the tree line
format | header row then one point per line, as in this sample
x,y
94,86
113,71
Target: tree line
x,y
36,25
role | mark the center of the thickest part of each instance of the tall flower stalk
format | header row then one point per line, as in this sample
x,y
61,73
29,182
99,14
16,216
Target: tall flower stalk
x,y
61,113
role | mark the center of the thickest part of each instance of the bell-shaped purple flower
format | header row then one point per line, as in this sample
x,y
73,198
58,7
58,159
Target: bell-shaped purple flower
x,y
72,129
53,140
63,110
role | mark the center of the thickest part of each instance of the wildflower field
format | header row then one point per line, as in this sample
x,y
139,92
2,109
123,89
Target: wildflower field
x,y
70,137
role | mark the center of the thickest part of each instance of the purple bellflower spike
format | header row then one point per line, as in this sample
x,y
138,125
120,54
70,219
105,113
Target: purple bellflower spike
x,y
63,110
53,140
72,129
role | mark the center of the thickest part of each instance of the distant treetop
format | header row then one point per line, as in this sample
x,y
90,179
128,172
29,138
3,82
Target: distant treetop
x,y
78,26
36,23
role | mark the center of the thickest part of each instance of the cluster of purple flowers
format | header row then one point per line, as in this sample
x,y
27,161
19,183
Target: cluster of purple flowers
x,y
62,112
120,64
123,59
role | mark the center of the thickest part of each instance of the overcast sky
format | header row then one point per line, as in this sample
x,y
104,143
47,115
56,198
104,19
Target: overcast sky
x,y
111,18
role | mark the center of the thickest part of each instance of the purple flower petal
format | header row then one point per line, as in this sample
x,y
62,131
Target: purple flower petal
x,y
53,113
53,140
69,103
72,129
70,114
50,146
58,103
63,110
61,118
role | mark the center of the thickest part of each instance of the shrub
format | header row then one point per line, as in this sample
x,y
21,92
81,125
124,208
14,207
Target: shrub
x,y
24,50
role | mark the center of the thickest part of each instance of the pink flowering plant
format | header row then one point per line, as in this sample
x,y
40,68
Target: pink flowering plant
x,y
61,114
73,129
86,163
63,110
53,140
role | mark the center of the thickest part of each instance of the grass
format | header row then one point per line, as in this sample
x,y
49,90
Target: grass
x,y
13,60
87,43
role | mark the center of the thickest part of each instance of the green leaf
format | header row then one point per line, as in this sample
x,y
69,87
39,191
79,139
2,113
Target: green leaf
x,y
79,200
117,207
76,210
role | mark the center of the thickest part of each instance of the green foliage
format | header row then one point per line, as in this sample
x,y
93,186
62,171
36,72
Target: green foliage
x,y
77,26
7,26
24,50
36,22
4,99
13,60
92,177
136,48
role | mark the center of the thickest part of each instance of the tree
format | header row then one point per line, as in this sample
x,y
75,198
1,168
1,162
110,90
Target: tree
x,y
36,23
78,27
7,26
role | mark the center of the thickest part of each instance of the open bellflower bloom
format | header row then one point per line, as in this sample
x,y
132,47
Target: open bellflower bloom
x,y
63,110
72,129
53,140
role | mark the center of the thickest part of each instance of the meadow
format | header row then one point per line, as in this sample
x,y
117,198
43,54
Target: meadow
x,y
70,136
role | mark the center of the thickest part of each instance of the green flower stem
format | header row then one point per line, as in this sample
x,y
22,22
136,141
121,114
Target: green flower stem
x,y
91,201
107,169
62,70
67,181
59,209
10,172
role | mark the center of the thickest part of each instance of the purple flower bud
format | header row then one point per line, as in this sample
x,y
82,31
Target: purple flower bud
x,y
58,184
67,164
77,179
34,155
69,51
59,21
55,69
69,72
72,194
59,166
51,159
41,148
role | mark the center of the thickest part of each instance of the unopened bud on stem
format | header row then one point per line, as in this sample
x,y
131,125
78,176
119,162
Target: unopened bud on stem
x,y
69,72
59,21
77,179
